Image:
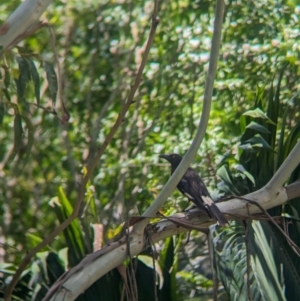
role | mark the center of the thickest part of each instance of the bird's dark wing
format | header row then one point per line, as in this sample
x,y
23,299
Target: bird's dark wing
x,y
192,186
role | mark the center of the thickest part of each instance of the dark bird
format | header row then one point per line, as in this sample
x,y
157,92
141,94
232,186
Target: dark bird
x,y
192,186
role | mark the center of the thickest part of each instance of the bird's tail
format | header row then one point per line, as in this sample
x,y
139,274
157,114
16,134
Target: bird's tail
x,y
215,212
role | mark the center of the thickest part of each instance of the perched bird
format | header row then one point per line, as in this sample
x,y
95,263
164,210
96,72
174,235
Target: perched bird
x,y
192,186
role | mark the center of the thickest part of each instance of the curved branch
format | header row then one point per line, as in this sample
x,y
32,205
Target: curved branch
x,y
97,264
191,153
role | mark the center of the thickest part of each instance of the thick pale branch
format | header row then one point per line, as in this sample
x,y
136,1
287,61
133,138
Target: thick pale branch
x,y
261,196
22,21
285,170
272,194
114,258
293,190
99,263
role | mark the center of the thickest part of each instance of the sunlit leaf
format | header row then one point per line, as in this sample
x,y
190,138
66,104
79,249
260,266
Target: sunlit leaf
x,y
257,127
259,141
73,233
271,285
33,239
148,261
63,256
230,260
245,172
258,113
54,267
224,173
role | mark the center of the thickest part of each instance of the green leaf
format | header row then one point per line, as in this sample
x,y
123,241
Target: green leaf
x,y
224,173
7,268
63,257
258,113
35,273
52,80
37,293
230,261
247,147
23,79
280,156
36,81
273,108
33,239
169,264
18,133
242,123
30,137
54,267
271,285
73,233
259,141
242,169
42,256
6,76
257,127
148,261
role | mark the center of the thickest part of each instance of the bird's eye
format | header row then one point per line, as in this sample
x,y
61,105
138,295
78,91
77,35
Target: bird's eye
x,y
173,156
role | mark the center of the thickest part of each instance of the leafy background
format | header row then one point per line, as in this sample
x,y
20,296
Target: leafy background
x,y
100,45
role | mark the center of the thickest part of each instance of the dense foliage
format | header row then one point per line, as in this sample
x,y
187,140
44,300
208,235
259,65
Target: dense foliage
x,y
99,47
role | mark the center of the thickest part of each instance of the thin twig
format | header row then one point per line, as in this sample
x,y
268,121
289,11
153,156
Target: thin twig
x,y
90,168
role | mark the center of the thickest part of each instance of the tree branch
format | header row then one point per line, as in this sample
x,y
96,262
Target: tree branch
x,y
97,264
191,153
272,194
285,170
22,22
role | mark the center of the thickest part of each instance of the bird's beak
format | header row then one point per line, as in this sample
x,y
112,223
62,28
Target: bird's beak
x,y
164,156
